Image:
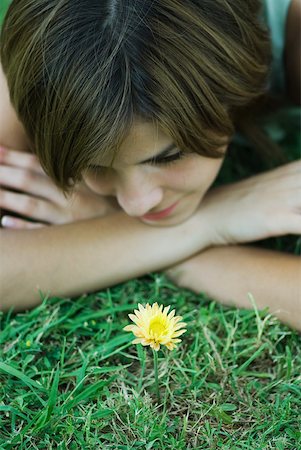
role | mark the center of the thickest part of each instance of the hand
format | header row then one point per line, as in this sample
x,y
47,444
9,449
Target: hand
x,y
39,198
259,207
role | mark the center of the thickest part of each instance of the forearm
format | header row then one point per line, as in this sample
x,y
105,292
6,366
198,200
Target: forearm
x,y
85,256
229,273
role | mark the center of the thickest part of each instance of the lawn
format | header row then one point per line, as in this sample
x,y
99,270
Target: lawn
x,y
70,378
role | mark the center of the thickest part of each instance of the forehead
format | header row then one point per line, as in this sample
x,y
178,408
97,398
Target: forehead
x,y
143,141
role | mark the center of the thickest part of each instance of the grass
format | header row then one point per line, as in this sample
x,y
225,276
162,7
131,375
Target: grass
x,y
71,379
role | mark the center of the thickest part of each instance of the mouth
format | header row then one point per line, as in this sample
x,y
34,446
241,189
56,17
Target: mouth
x,y
160,214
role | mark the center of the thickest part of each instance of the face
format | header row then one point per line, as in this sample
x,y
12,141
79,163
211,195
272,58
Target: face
x,y
152,179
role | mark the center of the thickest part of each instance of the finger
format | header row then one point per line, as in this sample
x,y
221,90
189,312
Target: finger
x,y
32,207
16,223
30,182
20,159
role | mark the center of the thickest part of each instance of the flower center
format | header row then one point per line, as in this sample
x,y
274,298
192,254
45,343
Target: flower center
x,y
157,327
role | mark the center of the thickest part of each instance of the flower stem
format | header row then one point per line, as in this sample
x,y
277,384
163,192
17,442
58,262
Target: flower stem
x,y
156,374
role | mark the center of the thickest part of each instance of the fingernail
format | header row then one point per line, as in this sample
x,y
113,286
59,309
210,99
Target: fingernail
x,y
7,221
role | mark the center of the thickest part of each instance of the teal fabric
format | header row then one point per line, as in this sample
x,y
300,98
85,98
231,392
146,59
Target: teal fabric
x,y
287,119
275,16
280,124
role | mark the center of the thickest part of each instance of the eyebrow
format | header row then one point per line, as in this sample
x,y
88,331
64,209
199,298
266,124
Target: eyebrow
x,y
160,155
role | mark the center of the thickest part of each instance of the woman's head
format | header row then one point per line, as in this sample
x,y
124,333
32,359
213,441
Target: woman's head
x,y
84,74
151,178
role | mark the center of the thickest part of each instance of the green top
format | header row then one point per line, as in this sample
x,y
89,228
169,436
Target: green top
x,y
277,125
275,16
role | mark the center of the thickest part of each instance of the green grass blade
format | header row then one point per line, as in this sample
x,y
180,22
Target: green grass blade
x,y
24,378
251,359
90,392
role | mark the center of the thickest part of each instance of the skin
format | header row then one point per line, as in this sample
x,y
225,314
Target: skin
x,y
148,188
140,188
127,185
185,180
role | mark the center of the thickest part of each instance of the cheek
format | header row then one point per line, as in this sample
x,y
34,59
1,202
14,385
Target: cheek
x,y
193,175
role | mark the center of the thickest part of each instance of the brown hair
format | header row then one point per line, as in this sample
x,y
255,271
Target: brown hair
x,y
80,72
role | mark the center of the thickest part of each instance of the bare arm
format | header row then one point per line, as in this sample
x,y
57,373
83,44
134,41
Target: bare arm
x,y
229,273
71,259
88,255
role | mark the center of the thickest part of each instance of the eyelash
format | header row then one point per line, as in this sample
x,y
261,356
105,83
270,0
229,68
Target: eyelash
x,y
168,160
98,168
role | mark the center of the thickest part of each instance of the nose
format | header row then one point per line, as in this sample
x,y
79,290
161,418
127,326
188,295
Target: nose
x,y
137,195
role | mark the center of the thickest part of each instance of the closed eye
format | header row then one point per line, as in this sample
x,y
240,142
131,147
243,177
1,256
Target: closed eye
x,y
98,168
167,159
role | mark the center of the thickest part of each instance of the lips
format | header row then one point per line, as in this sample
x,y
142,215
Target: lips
x,y
160,214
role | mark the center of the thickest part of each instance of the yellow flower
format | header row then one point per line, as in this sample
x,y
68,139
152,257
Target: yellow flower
x,y
154,327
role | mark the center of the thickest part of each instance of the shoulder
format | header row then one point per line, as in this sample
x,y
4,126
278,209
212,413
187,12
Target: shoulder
x,y
292,53
12,133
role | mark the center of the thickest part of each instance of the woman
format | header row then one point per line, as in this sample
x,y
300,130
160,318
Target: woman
x,y
129,108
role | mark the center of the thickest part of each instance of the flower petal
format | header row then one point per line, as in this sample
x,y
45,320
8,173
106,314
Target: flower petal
x,y
138,313
178,333
171,314
141,308
177,318
136,330
179,325
166,309
155,345
148,315
138,333
170,346
133,317
128,328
